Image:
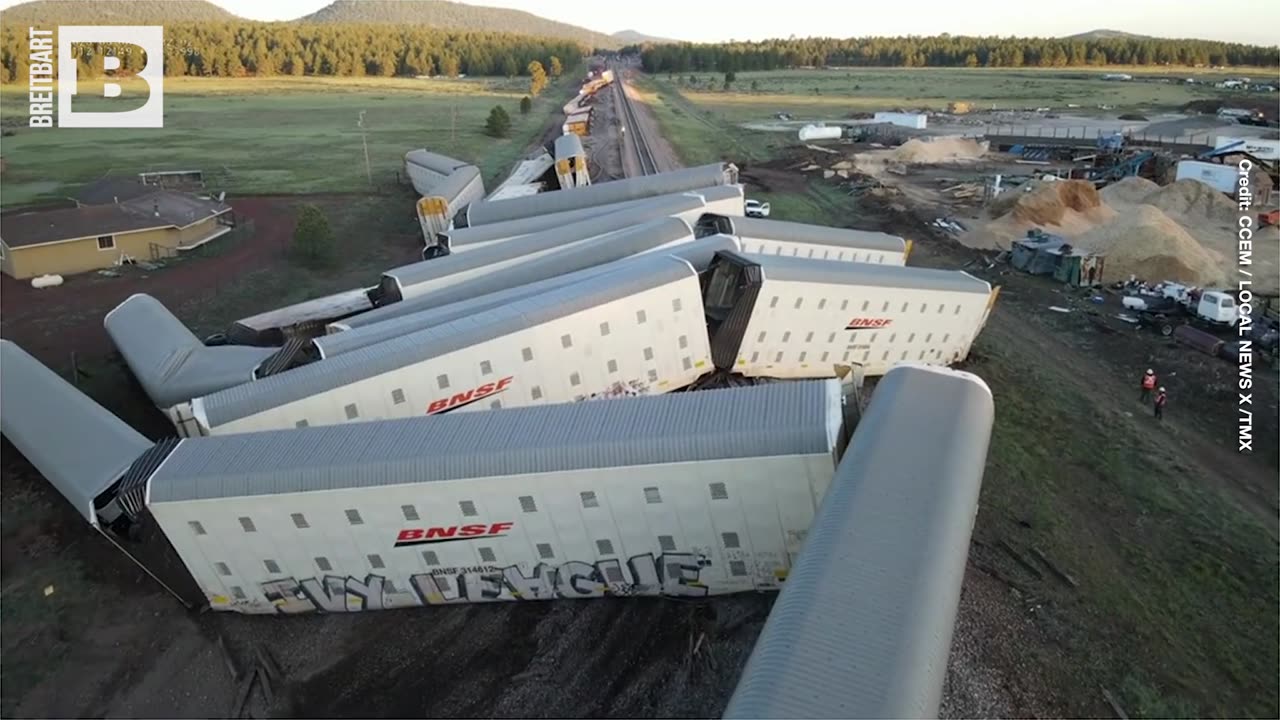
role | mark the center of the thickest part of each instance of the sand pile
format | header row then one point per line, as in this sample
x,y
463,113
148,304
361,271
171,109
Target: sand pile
x,y
1129,191
1068,208
940,150
1191,198
1145,242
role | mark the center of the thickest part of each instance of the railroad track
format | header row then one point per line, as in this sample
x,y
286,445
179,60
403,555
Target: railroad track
x,y
631,122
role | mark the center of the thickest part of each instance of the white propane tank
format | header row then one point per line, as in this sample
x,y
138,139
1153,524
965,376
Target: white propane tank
x,y
45,281
819,132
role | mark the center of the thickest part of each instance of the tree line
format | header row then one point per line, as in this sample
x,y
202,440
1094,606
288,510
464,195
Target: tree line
x,y
949,51
239,49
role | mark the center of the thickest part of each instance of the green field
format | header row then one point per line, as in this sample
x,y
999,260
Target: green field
x,y
276,135
833,93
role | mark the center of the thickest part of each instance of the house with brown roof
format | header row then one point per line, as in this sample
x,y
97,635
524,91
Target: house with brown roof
x,y
112,223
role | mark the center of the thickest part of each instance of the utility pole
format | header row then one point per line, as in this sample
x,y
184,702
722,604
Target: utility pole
x,y
365,141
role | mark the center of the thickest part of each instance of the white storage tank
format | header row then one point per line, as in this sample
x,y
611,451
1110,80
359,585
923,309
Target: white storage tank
x,y
819,132
45,281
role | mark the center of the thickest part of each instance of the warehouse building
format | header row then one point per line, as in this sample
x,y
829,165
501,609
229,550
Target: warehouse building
x,y
147,226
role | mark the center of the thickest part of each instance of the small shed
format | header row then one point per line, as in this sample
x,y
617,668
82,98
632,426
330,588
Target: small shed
x,y
1078,268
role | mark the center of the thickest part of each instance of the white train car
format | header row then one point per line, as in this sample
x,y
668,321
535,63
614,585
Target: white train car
x,y
690,494
863,626
639,330
446,199
817,242
426,169
497,290
571,162
571,244
786,317
485,212
689,206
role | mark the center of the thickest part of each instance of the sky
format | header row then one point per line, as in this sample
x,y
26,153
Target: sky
x,y
719,20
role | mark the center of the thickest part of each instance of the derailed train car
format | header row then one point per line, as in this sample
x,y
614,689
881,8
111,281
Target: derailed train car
x,y
485,212
637,329
816,242
787,317
689,206
498,290
409,281
688,494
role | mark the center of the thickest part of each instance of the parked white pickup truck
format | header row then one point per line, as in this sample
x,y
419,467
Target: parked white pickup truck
x,y
757,209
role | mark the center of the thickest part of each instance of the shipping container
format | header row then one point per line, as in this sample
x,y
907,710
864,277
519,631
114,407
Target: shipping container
x,y
785,317
915,121
1260,148
641,330
818,242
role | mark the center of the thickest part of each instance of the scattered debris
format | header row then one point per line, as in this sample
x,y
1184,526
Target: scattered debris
x,y
1056,308
48,590
829,151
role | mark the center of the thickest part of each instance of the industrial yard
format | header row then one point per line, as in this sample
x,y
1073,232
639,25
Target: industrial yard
x,y
1119,565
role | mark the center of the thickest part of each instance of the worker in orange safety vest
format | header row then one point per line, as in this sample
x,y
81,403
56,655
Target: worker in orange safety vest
x,y
1148,385
1161,400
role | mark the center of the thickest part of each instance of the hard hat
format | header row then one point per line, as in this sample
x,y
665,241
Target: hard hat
x,y
1150,371
1161,389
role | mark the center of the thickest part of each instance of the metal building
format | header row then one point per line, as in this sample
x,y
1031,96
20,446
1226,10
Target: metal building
x,y
491,211
818,242
170,363
863,626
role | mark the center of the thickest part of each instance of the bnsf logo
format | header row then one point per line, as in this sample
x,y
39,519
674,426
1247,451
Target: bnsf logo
x,y
445,404
424,536
857,323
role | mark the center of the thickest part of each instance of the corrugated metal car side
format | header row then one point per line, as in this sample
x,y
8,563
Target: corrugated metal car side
x,y
655,340
803,329
693,529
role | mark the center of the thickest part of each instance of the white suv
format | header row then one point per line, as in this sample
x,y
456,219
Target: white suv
x,y
757,209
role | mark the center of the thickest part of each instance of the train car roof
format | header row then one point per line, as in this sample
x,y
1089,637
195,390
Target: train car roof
x,y
367,362
761,421
817,234
836,272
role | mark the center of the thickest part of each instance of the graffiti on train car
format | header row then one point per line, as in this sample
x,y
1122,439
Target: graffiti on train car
x,y
673,574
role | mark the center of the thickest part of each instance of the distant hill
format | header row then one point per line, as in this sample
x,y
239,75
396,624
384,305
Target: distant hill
x,y
42,13
457,16
1105,35
633,37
